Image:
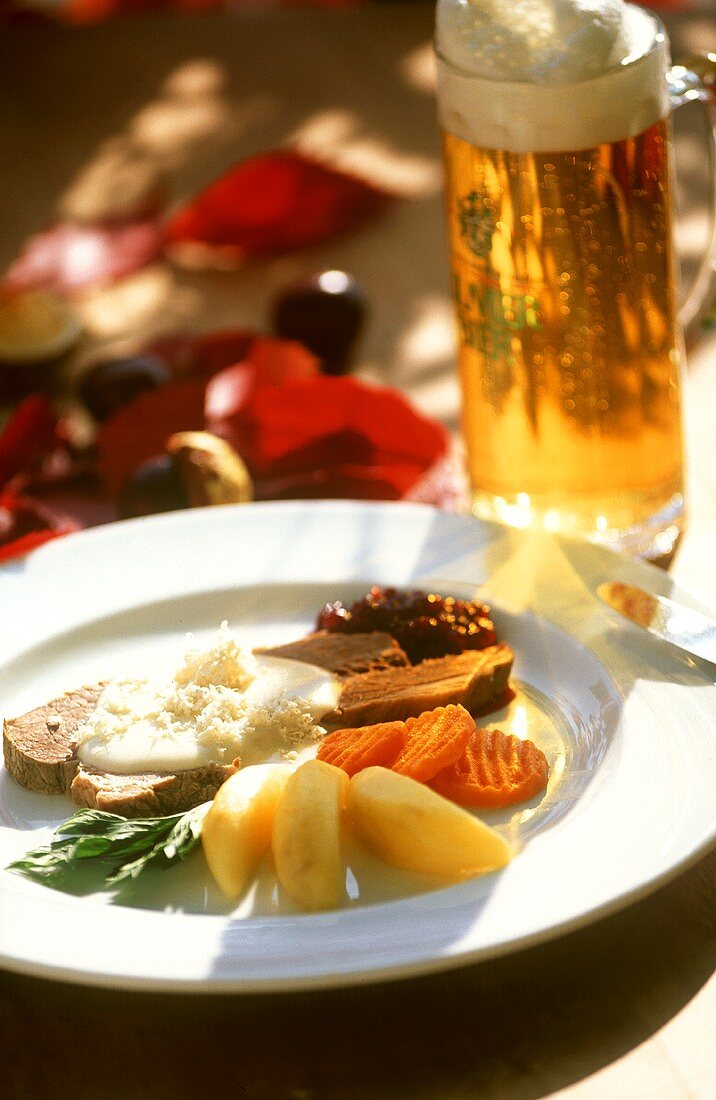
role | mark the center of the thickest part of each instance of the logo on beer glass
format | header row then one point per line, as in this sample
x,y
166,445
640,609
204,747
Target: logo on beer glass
x,y
477,223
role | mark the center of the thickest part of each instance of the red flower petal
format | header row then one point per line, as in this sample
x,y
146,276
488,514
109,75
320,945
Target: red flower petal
x,y
70,488
25,523
325,420
279,361
140,430
66,257
202,353
29,435
95,11
271,204
342,481
227,393
269,362
17,548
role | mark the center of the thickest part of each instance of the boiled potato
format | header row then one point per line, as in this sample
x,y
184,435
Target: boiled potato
x,y
237,829
307,836
409,825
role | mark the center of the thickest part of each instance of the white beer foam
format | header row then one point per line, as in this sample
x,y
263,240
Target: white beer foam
x,y
542,41
549,75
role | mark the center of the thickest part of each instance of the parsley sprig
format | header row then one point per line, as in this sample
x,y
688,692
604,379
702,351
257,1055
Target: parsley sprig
x,y
125,847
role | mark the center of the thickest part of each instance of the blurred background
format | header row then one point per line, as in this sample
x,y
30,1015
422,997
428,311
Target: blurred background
x,y
136,191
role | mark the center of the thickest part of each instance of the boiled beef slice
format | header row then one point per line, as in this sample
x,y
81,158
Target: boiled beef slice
x,y
342,654
474,678
149,794
40,747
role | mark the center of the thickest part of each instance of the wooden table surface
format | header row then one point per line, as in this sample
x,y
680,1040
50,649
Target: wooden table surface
x,y
622,1009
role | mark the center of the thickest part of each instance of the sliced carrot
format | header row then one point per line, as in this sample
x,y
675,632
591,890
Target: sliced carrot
x,y
436,739
355,749
495,769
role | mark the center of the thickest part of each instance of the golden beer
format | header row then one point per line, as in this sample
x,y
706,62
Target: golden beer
x,y
557,184
564,288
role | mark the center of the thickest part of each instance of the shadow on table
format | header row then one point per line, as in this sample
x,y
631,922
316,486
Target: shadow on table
x,y
512,1029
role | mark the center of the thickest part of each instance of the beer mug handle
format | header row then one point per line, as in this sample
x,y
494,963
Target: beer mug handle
x,y
694,78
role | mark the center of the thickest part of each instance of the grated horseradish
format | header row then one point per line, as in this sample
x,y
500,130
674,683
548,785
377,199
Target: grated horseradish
x,y
222,703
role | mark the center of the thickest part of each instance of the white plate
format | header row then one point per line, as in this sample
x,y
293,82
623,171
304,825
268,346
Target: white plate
x,y
629,725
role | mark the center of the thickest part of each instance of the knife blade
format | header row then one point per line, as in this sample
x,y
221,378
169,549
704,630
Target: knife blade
x,y
666,619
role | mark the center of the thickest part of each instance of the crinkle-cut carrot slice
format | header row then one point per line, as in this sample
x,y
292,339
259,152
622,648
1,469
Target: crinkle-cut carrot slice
x,y
494,770
436,739
352,750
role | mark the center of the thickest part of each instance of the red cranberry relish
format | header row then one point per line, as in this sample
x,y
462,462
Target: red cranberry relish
x,y
424,624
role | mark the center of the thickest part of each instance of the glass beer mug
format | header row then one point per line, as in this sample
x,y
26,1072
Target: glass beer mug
x,y
559,206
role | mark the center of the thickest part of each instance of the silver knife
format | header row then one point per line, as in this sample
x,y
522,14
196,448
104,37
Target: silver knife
x,y
684,627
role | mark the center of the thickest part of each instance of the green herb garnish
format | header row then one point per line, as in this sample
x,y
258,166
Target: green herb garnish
x,y
126,847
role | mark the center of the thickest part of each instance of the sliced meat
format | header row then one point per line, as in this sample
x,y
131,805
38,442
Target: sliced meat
x,y
40,747
148,794
41,755
342,654
473,678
